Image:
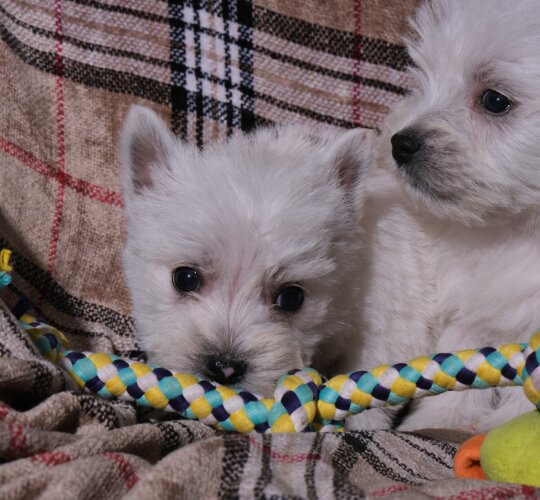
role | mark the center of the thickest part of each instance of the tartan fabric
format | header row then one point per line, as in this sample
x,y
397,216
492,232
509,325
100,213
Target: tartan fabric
x,y
72,67
69,70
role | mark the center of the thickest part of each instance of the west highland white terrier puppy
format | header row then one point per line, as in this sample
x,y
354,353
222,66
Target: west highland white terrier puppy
x,y
452,225
239,258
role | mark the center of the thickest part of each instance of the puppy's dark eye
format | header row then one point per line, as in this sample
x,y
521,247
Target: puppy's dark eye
x,y
187,279
494,102
290,298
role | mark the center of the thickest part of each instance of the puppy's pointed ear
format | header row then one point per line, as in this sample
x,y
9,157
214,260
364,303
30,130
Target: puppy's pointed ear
x,y
349,155
146,143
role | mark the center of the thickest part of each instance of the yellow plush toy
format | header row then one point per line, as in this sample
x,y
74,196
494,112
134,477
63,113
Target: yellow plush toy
x,y
511,453
508,454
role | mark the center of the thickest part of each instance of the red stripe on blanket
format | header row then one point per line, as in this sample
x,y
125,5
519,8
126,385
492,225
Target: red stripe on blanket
x,y
51,458
394,488
17,440
529,491
26,158
523,491
283,457
81,186
92,191
4,411
60,160
356,100
125,468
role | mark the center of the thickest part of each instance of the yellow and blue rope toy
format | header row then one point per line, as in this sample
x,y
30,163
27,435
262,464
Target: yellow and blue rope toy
x,y
302,401
5,268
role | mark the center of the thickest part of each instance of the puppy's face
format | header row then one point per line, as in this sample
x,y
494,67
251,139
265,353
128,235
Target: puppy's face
x,y
466,140
238,257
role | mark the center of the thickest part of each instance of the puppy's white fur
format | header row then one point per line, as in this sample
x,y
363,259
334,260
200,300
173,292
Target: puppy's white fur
x,y
251,214
454,247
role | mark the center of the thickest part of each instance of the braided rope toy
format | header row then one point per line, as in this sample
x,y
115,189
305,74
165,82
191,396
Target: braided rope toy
x,y
302,401
5,268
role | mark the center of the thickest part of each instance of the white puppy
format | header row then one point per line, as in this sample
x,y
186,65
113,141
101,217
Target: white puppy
x,y
238,257
454,243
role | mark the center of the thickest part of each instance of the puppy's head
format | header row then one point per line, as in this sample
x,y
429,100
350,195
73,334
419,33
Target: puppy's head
x,y
465,141
238,257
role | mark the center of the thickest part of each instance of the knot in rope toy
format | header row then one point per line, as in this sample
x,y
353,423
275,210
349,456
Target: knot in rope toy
x,y
302,401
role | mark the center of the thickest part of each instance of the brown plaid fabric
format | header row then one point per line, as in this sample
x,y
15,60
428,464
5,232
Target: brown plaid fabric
x,y
69,71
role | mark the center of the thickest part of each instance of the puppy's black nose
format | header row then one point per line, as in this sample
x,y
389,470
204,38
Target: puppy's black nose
x,y
224,370
405,145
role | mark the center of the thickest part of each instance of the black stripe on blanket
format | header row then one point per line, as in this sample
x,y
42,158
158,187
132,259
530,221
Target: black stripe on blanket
x,y
236,455
329,40
266,469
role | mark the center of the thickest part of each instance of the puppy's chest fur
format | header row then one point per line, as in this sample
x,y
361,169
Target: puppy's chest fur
x,y
430,286
488,287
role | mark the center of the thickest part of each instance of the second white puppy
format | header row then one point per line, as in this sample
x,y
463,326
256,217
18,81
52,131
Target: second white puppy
x,y
455,241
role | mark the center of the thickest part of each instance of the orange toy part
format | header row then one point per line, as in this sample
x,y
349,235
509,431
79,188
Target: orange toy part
x,y
467,459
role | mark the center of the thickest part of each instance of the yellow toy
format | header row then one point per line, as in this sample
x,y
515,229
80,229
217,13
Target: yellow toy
x,y
508,454
511,453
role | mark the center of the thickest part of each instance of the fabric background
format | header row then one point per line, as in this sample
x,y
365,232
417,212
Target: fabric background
x,y
69,69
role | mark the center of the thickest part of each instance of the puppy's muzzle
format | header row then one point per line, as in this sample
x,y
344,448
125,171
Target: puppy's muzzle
x,y
405,146
224,370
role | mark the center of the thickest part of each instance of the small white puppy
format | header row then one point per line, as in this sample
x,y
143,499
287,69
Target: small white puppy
x,y
454,242
239,257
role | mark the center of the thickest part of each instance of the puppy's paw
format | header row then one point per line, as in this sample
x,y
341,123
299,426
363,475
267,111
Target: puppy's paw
x,y
376,419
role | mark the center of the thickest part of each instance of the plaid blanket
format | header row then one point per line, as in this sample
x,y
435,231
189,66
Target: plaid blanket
x,y
69,70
